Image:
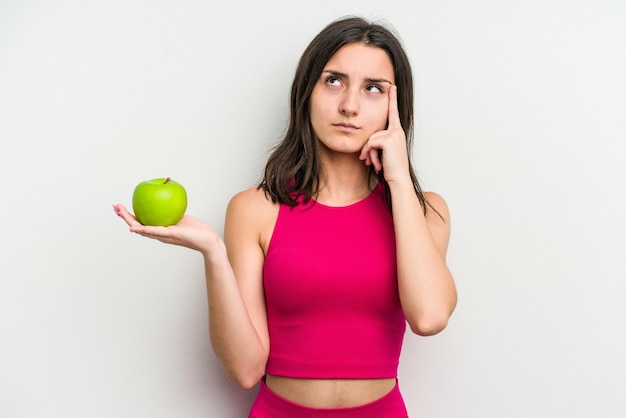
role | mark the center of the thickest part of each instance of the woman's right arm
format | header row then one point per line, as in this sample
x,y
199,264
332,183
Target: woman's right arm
x,y
234,280
237,312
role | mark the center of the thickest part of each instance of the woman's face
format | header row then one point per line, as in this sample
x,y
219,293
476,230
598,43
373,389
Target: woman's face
x,y
350,101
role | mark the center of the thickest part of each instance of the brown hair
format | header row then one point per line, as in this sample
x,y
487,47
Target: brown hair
x,y
293,168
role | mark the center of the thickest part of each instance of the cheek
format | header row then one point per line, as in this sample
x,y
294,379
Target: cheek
x,y
316,108
322,112
315,116
378,117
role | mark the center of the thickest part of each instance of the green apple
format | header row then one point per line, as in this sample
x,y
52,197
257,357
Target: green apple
x,y
159,202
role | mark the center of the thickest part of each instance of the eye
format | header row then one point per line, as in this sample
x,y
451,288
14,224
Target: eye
x,y
332,80
374,88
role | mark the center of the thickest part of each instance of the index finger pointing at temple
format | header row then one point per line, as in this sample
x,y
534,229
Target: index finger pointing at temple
x,y
393,117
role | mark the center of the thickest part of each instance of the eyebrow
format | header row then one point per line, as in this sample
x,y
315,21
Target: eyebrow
x,y
368,80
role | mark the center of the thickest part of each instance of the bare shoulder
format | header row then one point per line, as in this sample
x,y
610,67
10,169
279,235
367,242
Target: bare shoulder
x,y
439,221
438,203
252,211
251,200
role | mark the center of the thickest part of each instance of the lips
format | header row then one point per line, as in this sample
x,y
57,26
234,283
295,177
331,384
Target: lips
x,y
345,127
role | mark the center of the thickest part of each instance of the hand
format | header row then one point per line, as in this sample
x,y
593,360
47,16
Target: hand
x,y
392,142
189,232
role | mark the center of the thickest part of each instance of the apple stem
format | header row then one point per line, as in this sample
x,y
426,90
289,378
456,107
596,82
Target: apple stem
x,y
166,180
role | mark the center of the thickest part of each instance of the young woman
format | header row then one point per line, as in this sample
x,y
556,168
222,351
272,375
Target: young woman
x,y
324,263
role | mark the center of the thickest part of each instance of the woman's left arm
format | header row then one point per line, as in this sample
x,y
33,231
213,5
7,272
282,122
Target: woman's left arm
x,y
427,290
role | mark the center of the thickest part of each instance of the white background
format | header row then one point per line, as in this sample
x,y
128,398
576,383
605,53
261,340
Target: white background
x,y
521,124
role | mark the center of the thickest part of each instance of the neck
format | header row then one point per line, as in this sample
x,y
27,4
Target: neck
x,y
344,180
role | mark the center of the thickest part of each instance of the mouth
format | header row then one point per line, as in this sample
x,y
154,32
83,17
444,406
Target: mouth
x,y
345,127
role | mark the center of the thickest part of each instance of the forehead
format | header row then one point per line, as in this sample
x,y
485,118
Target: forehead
x,y
361,61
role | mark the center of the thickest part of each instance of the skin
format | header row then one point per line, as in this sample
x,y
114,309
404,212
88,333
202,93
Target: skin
x,y
354,118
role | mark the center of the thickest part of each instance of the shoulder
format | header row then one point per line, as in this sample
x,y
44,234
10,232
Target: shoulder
x,y
253,199
438,218
251,211
251,203
441,210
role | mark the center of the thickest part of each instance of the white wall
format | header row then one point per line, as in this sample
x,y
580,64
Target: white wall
x,y
521,111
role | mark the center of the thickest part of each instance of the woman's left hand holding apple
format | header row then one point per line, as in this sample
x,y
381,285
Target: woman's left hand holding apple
x,y
189,232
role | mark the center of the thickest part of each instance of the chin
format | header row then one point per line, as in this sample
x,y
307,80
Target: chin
x,y
344,147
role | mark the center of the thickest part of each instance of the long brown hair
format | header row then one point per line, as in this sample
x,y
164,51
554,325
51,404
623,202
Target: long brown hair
x,y
293,168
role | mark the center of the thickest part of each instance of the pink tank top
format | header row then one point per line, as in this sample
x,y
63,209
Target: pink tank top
x,y
331,292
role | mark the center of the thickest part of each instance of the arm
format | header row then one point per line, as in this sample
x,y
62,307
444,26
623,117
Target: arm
x,y
237,322
426,287
427,290
238,318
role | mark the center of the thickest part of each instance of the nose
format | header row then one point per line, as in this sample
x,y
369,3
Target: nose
x,y
349,105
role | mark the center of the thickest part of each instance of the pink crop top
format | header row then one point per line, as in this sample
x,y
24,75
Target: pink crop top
x,y
331,292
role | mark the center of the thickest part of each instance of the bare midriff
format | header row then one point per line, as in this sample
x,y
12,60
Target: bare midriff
x,y
330,393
